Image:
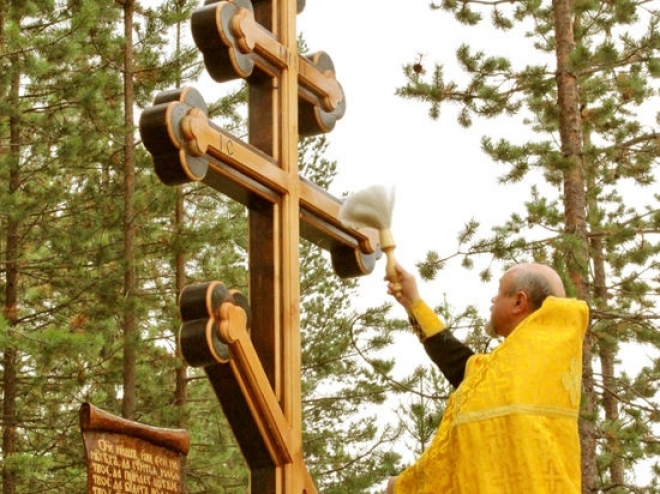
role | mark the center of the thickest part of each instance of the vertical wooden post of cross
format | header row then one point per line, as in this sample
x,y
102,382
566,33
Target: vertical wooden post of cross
x,y
276,277
257,375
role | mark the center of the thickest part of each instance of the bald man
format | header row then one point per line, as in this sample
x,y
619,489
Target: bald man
x,y
511,424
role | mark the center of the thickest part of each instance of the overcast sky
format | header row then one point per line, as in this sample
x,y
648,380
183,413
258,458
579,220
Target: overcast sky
x,y
441,177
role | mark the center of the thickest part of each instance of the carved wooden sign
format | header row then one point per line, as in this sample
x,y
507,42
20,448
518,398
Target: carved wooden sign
x,y
128,457
252,358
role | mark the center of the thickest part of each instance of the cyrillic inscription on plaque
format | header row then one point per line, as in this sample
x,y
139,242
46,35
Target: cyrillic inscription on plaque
x,y
131,458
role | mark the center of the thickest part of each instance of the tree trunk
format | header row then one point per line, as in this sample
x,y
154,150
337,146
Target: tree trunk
x,y
181,376
575,218
181,373
605,350
129,324
607,358
10,358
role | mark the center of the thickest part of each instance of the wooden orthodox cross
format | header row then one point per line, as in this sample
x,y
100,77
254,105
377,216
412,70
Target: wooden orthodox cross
x,y
252,357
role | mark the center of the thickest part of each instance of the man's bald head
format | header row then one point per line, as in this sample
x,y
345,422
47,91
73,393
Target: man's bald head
x,y
522,290
538,280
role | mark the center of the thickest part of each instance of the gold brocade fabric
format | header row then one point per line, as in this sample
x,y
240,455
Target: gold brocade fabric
x,y
511,426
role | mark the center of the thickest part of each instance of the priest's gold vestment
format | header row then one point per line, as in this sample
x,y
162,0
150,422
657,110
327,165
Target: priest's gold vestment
x,y
511,426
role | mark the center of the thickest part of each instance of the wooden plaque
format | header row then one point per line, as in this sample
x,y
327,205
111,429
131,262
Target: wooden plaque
x,y
128,457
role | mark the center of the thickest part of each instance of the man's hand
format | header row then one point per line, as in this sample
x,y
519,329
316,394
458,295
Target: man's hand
x,y
390,486
408,294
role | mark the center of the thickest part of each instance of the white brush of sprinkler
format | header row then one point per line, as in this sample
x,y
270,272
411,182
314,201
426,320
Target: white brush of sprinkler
x,y
372,208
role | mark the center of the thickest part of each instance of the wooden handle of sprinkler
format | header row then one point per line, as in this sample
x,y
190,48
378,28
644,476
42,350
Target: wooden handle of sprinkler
x,y
387,245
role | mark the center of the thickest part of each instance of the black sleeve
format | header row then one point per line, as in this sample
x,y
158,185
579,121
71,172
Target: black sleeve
x,y
449,354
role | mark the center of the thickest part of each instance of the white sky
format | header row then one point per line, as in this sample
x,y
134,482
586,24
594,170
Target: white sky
x,y
441,177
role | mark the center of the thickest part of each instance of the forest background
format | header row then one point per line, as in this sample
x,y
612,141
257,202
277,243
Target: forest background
x,y
94,248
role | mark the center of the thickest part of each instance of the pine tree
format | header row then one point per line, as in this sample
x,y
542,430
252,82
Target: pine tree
x,y
593,143
62,231
47,89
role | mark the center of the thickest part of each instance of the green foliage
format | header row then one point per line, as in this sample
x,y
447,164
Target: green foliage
x,y
62,216
422,414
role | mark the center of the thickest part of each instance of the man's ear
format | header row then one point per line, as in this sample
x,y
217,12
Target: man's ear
x,y
521,302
